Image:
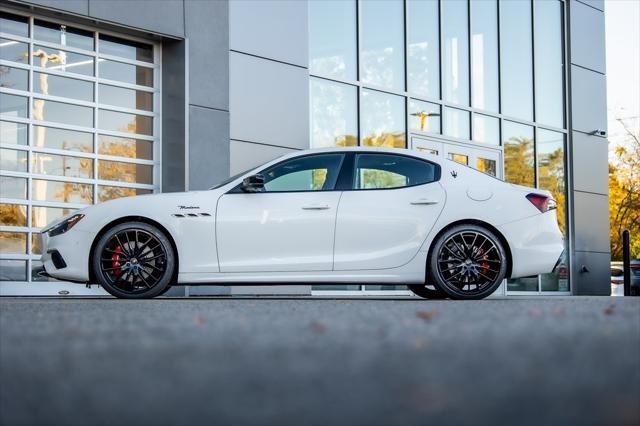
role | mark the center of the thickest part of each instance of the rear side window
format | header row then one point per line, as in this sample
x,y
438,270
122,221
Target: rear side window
x,y
384,171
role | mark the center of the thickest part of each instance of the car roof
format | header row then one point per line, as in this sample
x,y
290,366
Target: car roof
x,y
371,149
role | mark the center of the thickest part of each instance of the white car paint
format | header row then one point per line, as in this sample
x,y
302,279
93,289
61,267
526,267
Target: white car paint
x,y
373,236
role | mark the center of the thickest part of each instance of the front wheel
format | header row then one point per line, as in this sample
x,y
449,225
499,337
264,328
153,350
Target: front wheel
x,y
468,262
134,260
427,291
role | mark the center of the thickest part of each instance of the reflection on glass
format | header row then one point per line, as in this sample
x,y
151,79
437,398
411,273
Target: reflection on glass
x,y
486,129
125,172
125,122
424,116
64,192
14,51
382,49
558,280
61,165
334,119
13,242
517,140
459,158
549,64
62,34
60,60
125,147
484,54
14,24
13,270
13,106
106,193
13,160
383,120
36,243
13,215
128,49
487,166
13,187
60,112
42,216
423,51
125,98
456,123
126,73
455,58
523,284
70,140
516,57
36,269
332,39
14,78
13,133
54,85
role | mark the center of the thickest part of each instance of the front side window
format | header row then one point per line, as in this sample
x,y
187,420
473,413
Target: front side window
x,y
311,173
384,171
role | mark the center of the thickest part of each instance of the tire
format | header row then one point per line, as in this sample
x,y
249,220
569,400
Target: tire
x,y
467,262
427,291
134,260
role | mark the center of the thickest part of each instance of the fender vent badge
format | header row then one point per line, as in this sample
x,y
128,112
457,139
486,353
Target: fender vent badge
x,y
454,173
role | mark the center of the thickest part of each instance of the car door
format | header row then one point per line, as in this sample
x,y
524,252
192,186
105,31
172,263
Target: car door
x,y
383,221
287,227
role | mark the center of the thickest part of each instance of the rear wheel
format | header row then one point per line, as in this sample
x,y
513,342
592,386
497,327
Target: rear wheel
x,y
134,260
427,291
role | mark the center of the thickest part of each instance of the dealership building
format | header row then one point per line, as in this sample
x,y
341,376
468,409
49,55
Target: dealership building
x,y
106,99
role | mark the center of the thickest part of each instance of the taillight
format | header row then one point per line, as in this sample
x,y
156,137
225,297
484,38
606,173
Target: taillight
x,y
542,202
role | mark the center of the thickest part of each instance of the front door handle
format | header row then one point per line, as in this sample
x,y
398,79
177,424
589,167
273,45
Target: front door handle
x,y
424,201
316,207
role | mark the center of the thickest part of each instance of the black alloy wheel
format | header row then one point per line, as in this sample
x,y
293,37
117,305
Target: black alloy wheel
x,y
427,291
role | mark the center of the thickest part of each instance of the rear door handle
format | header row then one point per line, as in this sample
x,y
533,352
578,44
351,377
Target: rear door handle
x,y
316,207
424,201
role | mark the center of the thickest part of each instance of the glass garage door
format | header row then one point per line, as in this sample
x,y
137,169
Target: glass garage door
x,y
79,125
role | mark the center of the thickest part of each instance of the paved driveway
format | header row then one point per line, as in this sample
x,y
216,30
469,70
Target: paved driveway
x,y
536,361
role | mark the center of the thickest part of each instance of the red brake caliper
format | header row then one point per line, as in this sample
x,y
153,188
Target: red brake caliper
x,y
484,265
115,261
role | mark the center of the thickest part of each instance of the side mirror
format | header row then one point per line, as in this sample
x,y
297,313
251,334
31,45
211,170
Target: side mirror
x,y
253,183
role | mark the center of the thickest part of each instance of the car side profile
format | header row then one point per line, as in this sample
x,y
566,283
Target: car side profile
x,y
336,215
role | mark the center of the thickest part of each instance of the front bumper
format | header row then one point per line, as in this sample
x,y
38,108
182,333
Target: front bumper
x,y
66,256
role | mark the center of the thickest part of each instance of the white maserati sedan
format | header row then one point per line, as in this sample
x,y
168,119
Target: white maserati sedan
x,y
338,215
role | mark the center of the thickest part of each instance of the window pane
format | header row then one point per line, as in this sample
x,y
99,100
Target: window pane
x,y
332,38
125,48
459,158
455,58
486,129
61,34
14,51
549,63
14,24
518,153
125,147
14,78
523,284
484,54
312,173
126,73
516,56
13,270
13,187
456,123
423,52
36,269
66,192
59,60
383,119
378,171
54,85
62,165
424,116
125,98
13,215
383,43
13,106
13,242
42,216
60,112
106,193
13,160
124,122
70,140
125,172
334,119
487,166
551,175
36,243
14,133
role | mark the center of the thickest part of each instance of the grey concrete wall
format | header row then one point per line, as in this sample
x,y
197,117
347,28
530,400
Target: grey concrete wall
x,y
588,152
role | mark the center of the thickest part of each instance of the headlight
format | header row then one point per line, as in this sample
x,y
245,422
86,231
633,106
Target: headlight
x,y
65,225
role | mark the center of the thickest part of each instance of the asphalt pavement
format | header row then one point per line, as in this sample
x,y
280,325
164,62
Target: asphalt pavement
x,y
308,361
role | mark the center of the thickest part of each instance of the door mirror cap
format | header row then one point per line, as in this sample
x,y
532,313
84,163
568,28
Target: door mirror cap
x,y
253,183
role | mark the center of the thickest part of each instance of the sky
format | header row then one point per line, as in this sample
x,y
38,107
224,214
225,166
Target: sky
x,y
622,26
